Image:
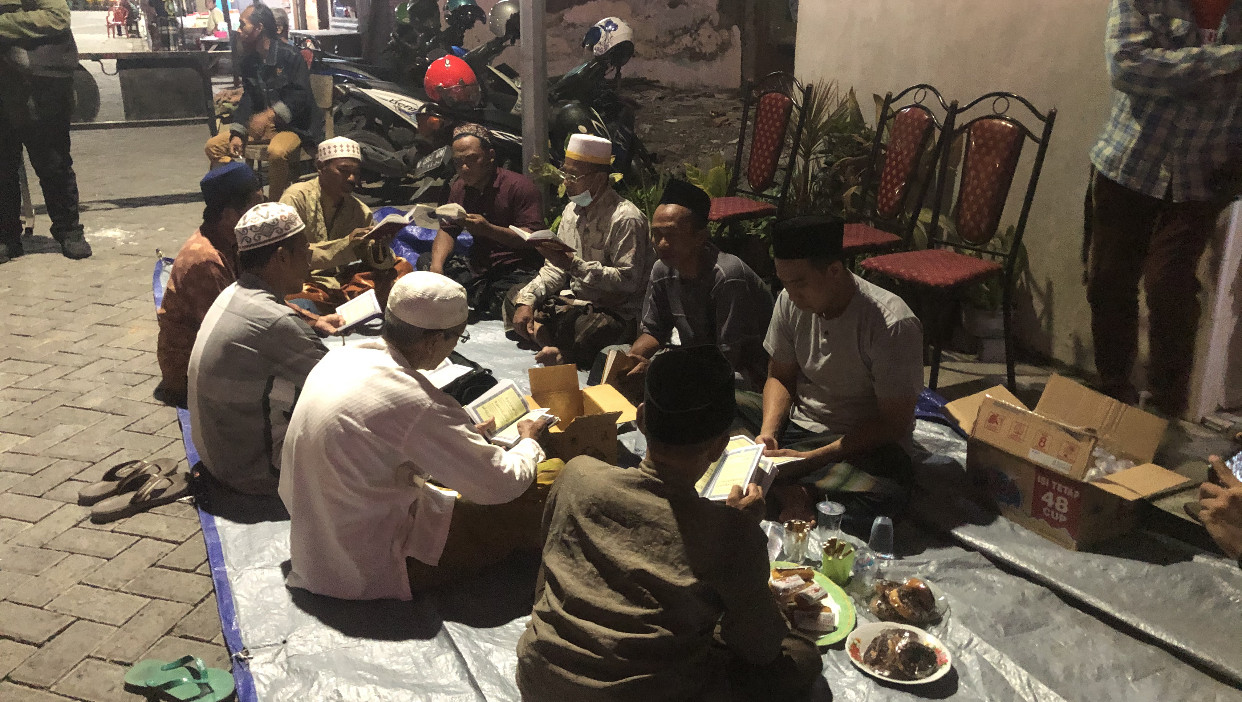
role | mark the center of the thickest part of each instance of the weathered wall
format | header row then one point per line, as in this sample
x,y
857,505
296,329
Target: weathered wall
x,y
691,45
1050,52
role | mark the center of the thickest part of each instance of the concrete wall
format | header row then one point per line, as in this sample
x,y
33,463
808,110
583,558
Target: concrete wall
x,y
1051,52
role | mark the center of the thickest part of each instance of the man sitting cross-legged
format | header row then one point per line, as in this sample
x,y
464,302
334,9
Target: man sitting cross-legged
x,y
253,354
606,274
494,199
708,296
205,265
648,591
336,226
369,435
845,374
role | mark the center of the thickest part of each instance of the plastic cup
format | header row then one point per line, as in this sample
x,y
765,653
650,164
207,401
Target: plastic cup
x,y
828,519
795,540
881,541
838,569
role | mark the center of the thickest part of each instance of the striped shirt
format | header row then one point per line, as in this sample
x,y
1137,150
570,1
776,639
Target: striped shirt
x,y
1175,131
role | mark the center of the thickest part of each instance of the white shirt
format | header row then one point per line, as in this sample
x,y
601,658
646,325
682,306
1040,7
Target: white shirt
x,y
367,431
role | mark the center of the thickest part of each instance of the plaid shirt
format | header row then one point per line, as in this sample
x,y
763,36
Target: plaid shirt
x,y
1175,131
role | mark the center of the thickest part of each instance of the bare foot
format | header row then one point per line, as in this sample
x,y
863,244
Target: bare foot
x,y
794,502
550,356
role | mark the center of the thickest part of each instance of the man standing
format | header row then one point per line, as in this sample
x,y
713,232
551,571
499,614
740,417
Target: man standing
x,y
1167,162
253,353
37,59
708,296
494,198
631,613
205,266
369,435
845,373
606,273
336,225
277,106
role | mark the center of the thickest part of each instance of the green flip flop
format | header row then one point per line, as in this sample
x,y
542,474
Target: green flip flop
x,y
152,672
184,680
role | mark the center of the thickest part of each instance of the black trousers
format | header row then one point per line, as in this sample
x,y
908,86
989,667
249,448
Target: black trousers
x,y
42,126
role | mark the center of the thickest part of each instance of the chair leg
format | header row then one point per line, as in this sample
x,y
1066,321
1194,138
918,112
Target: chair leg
x,y
1007,324
935,366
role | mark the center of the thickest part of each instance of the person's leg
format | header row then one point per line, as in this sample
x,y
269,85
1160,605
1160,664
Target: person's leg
x,y
47,142
480,536
1172,287
281,152
789,677
1122,222
592,330
10,189
217,148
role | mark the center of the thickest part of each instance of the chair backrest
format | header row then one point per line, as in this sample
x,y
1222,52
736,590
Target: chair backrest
x,y
767,109
991,151
321,88
892,185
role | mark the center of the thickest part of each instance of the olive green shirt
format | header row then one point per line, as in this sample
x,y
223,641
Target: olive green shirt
x,y
328,228
49,17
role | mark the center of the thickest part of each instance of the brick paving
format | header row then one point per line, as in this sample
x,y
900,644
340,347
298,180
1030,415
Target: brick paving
x,y
81,602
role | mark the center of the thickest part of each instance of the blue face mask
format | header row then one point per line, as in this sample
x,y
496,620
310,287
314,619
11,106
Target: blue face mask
x,y
582,199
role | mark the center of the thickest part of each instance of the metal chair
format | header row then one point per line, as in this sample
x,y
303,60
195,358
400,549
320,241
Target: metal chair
x,y
771,99
901,170
954,260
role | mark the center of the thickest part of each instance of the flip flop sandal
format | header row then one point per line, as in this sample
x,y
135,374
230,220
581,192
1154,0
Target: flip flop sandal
x,y
155,490
185,679
148,674
114,482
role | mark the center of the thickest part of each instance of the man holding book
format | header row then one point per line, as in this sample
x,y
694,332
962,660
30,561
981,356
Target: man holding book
x,y
606,272
253,354
391,489
845,373
205,265
494,199
338,226
675,605
708,296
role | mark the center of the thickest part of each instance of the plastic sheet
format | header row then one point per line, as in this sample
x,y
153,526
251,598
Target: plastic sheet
x,y
1027,621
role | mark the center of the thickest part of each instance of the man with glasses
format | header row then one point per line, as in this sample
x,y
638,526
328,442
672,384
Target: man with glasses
x,y
390,487
606,273
337,225
494,198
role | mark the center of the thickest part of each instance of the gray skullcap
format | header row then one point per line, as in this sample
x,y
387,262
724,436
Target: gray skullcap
x,y
689,395
689,196
808,236
428,301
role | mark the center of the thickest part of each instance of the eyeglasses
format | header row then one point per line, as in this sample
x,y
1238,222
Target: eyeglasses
x,y
570,178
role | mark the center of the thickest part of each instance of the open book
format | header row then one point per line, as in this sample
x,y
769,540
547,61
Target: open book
x,y
741,463
360,309
543,236
505,404
388,227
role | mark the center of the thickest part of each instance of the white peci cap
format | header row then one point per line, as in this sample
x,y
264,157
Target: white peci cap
x,y
339,147
589,149
266,223
428,301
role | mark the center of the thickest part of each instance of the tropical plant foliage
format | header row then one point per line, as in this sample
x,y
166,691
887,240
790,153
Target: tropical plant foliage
x,y
833,154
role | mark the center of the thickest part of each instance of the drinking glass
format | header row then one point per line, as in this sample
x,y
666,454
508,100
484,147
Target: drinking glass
x,y
881,542
828,516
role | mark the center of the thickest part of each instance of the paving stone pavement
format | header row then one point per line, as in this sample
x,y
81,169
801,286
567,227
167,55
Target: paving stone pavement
x,y
80,602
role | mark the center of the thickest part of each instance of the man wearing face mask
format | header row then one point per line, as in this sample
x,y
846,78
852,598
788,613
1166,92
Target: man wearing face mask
x,y
606,274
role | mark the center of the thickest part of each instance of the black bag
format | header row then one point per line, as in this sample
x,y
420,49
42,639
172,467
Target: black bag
x,y
470,386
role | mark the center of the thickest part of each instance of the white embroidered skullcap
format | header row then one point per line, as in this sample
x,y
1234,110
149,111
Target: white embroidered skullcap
x,y
428,301
589,149
339,147
266,223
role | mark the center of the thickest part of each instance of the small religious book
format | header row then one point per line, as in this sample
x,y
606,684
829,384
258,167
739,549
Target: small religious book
x,y
446,373
505,404
736,467
388,227
543,236
363,308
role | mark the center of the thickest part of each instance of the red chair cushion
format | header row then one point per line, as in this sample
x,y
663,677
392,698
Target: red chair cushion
x,y
993,146
864,237
771,121
933,268
725,209
910,129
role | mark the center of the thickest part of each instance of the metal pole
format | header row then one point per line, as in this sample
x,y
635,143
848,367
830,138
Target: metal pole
x,y
534,71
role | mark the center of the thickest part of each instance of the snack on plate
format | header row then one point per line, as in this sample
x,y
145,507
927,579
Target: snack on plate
x,y
901,655
785,587
806,573
821,620
809,596
911,602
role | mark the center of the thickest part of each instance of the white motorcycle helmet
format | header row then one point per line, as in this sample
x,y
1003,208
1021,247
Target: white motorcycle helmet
x,y
503,19
608,34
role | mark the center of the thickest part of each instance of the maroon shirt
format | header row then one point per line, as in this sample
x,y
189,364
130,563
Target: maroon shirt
x,y
510,199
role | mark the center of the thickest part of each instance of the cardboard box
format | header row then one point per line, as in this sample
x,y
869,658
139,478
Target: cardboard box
x,y
588,417
1031,463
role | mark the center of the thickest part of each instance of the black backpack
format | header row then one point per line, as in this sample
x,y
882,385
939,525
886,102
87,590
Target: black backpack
x,y
470,386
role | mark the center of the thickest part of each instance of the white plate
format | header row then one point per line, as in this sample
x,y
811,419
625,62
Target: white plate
x,y
857,642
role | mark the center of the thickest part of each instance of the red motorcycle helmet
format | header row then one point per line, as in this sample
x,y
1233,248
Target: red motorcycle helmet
x,y
451,82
